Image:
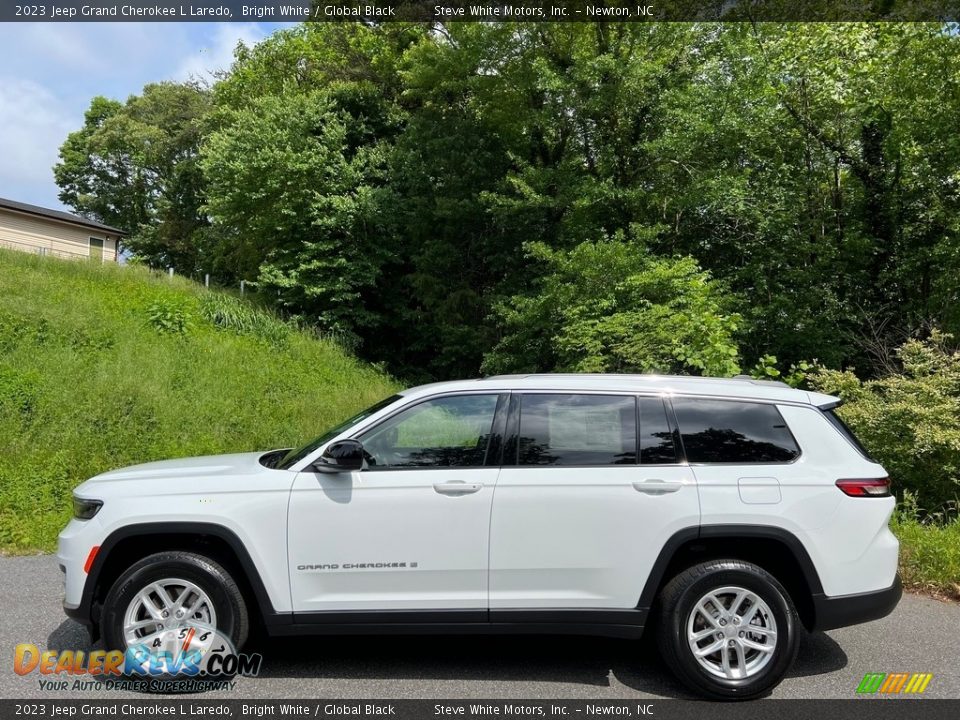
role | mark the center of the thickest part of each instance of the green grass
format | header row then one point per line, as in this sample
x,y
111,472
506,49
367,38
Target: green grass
x,y
104,366
929,555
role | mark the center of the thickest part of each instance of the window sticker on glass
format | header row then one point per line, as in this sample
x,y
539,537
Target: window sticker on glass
x,y
578,430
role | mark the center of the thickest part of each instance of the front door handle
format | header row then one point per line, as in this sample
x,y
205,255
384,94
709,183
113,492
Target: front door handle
x,y
456,488
657,487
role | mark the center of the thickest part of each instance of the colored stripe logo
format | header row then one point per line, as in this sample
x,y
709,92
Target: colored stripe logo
x,y
894,683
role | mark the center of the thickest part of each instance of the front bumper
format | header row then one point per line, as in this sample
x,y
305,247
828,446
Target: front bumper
x,y
843,610
73,548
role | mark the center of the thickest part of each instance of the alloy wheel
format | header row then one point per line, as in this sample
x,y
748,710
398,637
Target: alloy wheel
x,y
161,610
732,633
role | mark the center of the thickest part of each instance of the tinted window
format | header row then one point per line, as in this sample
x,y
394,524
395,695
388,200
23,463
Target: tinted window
x,y
656,435
578,430
725,431
446,432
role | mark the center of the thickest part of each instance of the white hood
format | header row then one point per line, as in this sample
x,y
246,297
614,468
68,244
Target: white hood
x,y
198,467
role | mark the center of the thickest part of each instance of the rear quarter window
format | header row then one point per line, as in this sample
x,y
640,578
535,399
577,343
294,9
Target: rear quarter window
x,y
847,433
732,431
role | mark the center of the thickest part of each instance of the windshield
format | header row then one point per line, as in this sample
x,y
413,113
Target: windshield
x,y
295,456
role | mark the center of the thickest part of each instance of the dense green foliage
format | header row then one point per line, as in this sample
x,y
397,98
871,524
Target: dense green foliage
x,y
610,307
910,420
104,366
384,181
300,177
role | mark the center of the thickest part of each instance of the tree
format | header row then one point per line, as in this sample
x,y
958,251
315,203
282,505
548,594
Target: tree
x,y
909,420
810,166
608,306
516,132
96,174
295,190
134,165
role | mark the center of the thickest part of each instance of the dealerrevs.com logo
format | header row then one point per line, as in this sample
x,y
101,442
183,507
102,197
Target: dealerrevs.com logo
x,y
894,683
193,658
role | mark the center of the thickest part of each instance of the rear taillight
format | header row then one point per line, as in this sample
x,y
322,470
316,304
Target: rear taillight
x,y
877,487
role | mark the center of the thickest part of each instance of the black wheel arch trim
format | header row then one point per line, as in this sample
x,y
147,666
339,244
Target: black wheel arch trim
x,y
83,613
708,532
655,577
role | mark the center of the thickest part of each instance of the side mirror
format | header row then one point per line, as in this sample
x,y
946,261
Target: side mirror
x,y
341,456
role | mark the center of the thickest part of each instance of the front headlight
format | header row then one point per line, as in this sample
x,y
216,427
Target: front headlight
x,y
84,509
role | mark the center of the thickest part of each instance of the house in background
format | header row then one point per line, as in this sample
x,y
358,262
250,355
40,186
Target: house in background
x,y
53,232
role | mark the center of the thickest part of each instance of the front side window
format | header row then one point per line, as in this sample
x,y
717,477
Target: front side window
x,y
96,248
728,431
298,454
449,431
578,430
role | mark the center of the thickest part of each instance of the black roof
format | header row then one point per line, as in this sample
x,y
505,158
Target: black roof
x,y
57,215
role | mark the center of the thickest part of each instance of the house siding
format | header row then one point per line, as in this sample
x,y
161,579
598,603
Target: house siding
x,y
20,231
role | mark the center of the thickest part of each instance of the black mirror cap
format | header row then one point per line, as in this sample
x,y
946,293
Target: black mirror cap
x,y
341,456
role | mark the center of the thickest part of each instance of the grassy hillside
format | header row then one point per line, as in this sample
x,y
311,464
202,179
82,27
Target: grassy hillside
x,y
103,366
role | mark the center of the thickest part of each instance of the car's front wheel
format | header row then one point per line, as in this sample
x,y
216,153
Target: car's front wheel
x,y
173,603
727,629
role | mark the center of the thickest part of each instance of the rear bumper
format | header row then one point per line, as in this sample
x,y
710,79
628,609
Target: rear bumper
x,y
840,611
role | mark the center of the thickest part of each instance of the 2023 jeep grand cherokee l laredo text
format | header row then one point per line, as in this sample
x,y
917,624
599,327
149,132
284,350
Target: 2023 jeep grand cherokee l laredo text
x,y
725,514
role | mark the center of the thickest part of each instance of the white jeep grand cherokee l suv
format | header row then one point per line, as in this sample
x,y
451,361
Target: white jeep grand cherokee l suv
x,y
725,514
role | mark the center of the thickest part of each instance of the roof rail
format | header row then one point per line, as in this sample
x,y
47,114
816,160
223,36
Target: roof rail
x,y
760,381
643,376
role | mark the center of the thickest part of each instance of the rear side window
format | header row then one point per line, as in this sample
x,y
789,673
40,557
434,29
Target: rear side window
x,y
728,431
657,445
844,430
578,430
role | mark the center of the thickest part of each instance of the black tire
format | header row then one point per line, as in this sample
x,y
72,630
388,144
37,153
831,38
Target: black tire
x,y
208,575
676,603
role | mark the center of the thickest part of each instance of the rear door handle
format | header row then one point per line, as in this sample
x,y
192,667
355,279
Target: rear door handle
x,y
456,488
656,487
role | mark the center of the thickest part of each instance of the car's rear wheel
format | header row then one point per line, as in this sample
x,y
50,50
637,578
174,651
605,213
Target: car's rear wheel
x,y
727,629
175,603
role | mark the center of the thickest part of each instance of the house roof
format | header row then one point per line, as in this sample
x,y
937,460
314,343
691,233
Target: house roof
x,y
57,215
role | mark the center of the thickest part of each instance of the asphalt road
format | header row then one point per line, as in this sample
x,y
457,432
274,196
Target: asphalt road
x,y
922,635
